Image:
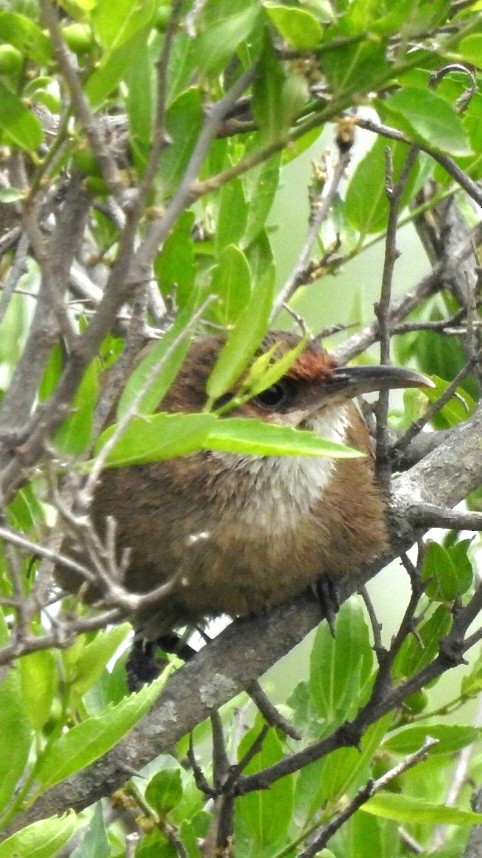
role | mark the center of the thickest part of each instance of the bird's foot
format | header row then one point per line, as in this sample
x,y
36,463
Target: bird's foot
x,y
326,594
144,664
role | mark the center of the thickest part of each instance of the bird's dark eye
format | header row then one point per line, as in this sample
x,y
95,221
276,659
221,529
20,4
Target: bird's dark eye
x,y
274,396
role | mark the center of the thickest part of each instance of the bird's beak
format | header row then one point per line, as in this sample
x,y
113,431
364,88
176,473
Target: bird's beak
x,y
355,380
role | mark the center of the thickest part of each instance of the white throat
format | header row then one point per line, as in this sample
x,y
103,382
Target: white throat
x,y
282,489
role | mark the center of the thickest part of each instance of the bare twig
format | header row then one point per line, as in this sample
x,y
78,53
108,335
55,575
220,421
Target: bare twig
x,y
320,211
394,191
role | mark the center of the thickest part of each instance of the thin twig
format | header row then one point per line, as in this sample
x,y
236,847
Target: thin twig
x,y
270,712
394,191
320,212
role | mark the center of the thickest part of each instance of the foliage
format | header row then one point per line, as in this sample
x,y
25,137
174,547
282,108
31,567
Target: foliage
x,y
144,146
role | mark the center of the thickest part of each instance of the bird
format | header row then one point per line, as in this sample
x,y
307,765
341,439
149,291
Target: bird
x,y
239,534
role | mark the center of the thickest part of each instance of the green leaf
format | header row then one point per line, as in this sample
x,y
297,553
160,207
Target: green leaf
x,y
242,341
94,657
405,808
43,839
183,123
113,67
16,734
446,579
471,49
366,201
268,101
164,791
39,677
339,773
93,737
168,357
74,434
175,265
354,66
340,667
417,652
262,817
231,282
457,409
158,436
19,126
297,26
94,843
10,195
217,44
114,24
262,188
451,738
232,214
430,119
471,683
256,437
140,105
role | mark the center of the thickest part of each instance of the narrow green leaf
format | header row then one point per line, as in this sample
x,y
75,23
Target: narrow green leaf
x,y
43,839
417,652
16,735
267,95
297,26
217,44
169,364
405,808
19,126
113,67
158,436
74,434
458,408
232,214
231,282
10,195
451,738
263,817
175,265
256,437
39,677
183,123
366,201
94,843
262,187
340,667
115,23
430,118
242,341
95,656
88,740
471,683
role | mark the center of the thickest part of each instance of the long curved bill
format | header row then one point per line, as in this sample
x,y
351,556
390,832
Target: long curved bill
x,y
355,380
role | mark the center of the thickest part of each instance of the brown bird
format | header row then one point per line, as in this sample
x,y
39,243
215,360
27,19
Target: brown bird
x,y
242,533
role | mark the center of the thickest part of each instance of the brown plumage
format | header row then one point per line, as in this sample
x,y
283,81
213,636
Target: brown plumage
x,y
244,533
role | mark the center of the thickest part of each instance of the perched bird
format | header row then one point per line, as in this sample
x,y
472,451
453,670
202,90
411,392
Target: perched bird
x,y
242,533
